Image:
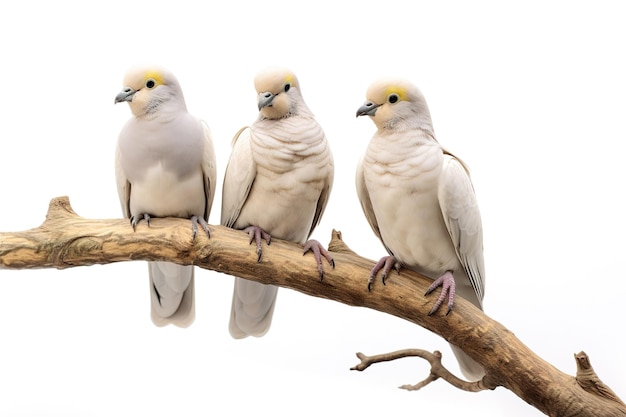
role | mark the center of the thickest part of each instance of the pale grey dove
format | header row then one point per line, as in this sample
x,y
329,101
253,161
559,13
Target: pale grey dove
x,y
165,167
277,183
419,200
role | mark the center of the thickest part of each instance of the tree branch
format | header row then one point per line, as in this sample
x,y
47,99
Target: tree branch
x,y
67,240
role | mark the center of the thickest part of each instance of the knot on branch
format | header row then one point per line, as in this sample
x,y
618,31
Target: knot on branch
x,y
60,207
589,380
338,245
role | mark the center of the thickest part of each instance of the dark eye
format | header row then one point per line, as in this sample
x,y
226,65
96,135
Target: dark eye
x,y
287,87
393,98
150,83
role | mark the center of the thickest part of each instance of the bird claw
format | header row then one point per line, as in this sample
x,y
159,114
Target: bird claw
x,y
134,220
318,251
194,226
257,234
448,287
386,263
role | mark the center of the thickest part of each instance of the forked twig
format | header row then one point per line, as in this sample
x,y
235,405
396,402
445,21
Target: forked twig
x,y
437,370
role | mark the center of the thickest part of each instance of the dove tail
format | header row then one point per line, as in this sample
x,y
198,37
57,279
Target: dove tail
x,y
172,294
252,308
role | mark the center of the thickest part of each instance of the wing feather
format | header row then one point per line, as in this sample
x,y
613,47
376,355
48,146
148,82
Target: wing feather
x,y
239,177
323,200
209,170
366,202
462,218
123,186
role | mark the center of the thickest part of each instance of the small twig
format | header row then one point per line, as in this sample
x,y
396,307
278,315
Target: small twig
x,y
437,370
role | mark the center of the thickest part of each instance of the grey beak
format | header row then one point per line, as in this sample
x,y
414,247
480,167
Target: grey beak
x,y
265,99
125,95
367,109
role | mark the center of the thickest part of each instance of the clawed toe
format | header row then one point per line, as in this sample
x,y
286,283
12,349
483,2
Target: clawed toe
x,y
386,263
318,252
257,234
134,220
448,288
194,226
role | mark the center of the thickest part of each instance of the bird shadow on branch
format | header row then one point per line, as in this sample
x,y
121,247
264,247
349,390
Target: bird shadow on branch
x,y
67,240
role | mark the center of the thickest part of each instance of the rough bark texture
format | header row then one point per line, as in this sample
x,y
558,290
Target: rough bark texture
x,y
66,240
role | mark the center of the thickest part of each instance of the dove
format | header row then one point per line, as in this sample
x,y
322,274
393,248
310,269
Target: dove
x,y
165,167
419,200
276,184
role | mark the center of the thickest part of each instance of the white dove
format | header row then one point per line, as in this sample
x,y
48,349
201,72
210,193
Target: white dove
x,y
277,183
164,166
419,200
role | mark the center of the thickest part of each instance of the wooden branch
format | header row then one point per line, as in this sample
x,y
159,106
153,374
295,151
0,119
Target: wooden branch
x,y
66,240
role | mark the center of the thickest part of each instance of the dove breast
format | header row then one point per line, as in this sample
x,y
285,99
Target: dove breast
x,y
164,166
404,177
283,166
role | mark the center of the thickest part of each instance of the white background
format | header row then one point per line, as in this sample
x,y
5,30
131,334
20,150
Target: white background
x,y
532,96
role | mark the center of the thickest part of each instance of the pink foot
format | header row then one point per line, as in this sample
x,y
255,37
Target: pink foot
x,y
448,287
257,234
318,251
385,263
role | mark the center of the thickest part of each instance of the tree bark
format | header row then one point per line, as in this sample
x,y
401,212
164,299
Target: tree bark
x,y
67,240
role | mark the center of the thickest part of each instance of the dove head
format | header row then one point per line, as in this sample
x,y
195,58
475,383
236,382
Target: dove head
x,y
150,89
394,103
278,93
